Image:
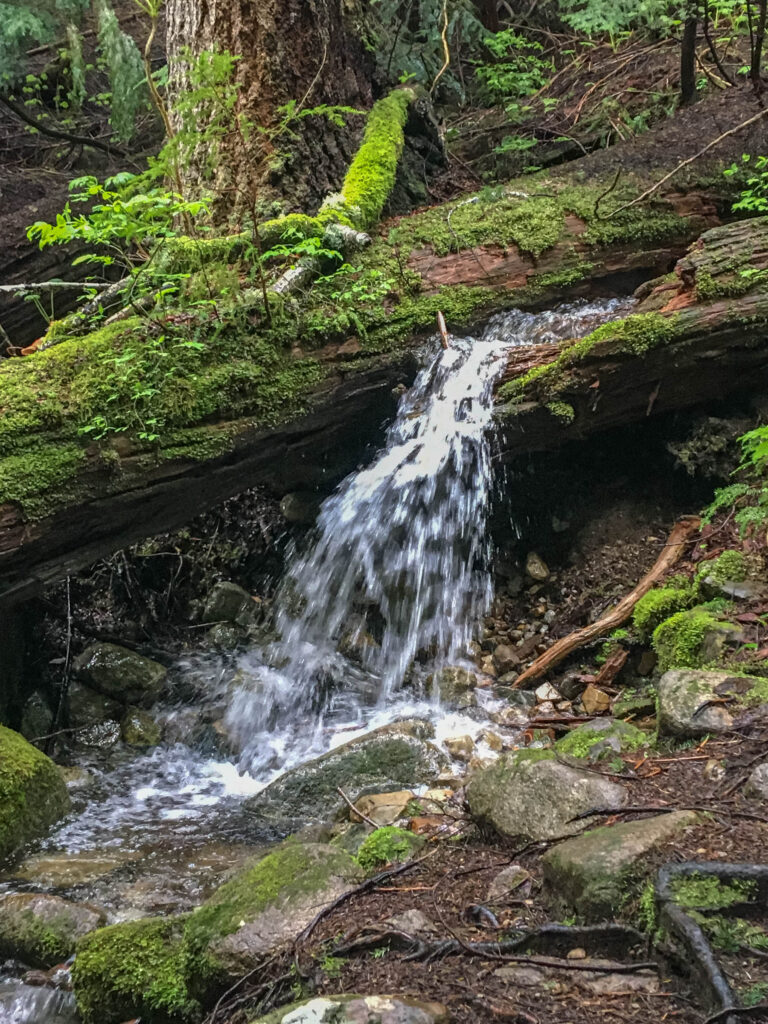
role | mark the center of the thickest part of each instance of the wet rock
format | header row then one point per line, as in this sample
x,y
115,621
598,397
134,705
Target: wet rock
x,y
64,870
757,783
77,779
88,707
226,636
263,908
507,881
510,718
300,507
452,684
493,739
602,738
383,808
41,930
460,747
123,675
506,659
36,718
139,729
589,874
379,761
684,707
536,567
102,736
351,1009
226,603
527,795
32,793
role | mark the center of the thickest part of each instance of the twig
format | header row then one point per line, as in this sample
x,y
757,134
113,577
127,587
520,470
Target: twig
x,y
360,814
608,191
44,286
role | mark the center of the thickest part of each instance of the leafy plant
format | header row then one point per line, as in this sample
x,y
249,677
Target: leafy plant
x,y
519,69
754,196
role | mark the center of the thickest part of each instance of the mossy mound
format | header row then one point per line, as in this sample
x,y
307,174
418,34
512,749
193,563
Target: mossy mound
x,y
387,845
659,604
32,792
41,930
134,969
692,639
604,737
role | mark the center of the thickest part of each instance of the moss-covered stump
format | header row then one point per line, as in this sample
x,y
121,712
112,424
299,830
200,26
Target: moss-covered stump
x,y
41,930
32,793
380,761
527,796
352,1009
261,909
600,874
693,702
134,969
604,737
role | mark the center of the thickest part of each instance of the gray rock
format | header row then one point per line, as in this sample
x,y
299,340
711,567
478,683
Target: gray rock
x,y
527,795
88,707
602,738
380,761
120,674
507,881
414,923
351,1009
226,603
589,874
300,507
506,659
683,696
226,636
139,729
757,783
41,930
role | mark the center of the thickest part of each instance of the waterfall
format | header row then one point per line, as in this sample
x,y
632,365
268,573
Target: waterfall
x,y
398,567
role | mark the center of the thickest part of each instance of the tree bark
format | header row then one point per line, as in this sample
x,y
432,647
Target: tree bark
x,y
307,51
688,60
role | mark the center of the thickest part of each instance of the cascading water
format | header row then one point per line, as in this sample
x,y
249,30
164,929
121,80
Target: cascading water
x,y
401,551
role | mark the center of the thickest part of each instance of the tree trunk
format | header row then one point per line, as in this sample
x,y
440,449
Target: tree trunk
x,y
489,14
757,49
688,60
306,51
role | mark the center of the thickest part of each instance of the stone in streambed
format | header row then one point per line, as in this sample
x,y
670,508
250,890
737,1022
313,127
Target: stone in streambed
x,y
229,603
139,729
379,761
32,793
353,1009
527,795
41,930
453,685
590,874
120,674
63,870
88,707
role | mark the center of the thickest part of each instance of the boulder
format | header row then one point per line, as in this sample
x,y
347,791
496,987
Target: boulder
x,y
36,718
300,507
602,738
123,675
379,761
139,729
262,908
33,794
41,930
351,1009
383,808
506,659
529,796
228,603
683,702
88,707
589,874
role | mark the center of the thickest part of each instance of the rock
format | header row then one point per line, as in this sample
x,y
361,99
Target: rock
x,y
523,977
589,874
576,954
493,740
32,793
536,567
87,707
453,685
226,602
123,675
77,779
387,845
546,692
104,735
64,870
595,700
300,507
263,908
757,783
351,1009
603,983
647,663
506,659
510,718
414,923
139,729
460,747
635,704
379,761
383,808
226,636
507,881
488,667
36,718
683,708
41,930
529,796
601,738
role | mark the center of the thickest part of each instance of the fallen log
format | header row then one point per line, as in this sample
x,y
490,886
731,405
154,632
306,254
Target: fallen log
x,y
676,544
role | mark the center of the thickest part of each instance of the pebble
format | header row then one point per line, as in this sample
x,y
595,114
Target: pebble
x,y
546,692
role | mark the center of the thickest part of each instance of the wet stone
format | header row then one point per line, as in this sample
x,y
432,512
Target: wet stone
x,y
41,930
123,675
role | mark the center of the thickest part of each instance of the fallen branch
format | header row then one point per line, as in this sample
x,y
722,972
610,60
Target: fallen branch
x,y
349,803
55,133
676,544
45,286
759,1012
444,336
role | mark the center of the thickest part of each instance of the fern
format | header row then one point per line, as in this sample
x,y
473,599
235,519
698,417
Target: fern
x,y
21,26
126,72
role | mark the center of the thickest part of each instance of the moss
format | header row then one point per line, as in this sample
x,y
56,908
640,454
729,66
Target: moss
x,y
133,969
38,939
581,741
729,567
37,480
32,792
732,933
562,411
183,254
679,640
704,891
634,335
758,693
387,845
659,604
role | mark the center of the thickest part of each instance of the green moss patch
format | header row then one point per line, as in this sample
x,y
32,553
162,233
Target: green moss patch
x,y
659,604
387,845
729,567
588,742
706,892
32,792
681,641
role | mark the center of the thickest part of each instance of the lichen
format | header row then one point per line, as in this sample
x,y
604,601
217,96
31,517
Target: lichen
x,y
387,845
659,604
32,792
133,969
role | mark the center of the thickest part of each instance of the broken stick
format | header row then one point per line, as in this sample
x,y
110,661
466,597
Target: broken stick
x,y
673,550
444,336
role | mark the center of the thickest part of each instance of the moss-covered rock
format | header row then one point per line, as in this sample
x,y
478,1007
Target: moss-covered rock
x,y
139,729
659,604
602,738
263,907
134,969
32,792
352,1009
387,845
527,795
690,703
692,639
600,873
379,761
41,930
123,675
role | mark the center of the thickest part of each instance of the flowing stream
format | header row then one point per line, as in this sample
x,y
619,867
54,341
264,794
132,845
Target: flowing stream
x,y
391,585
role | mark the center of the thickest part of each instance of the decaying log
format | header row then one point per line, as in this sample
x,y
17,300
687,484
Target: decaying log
x,y
676,544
